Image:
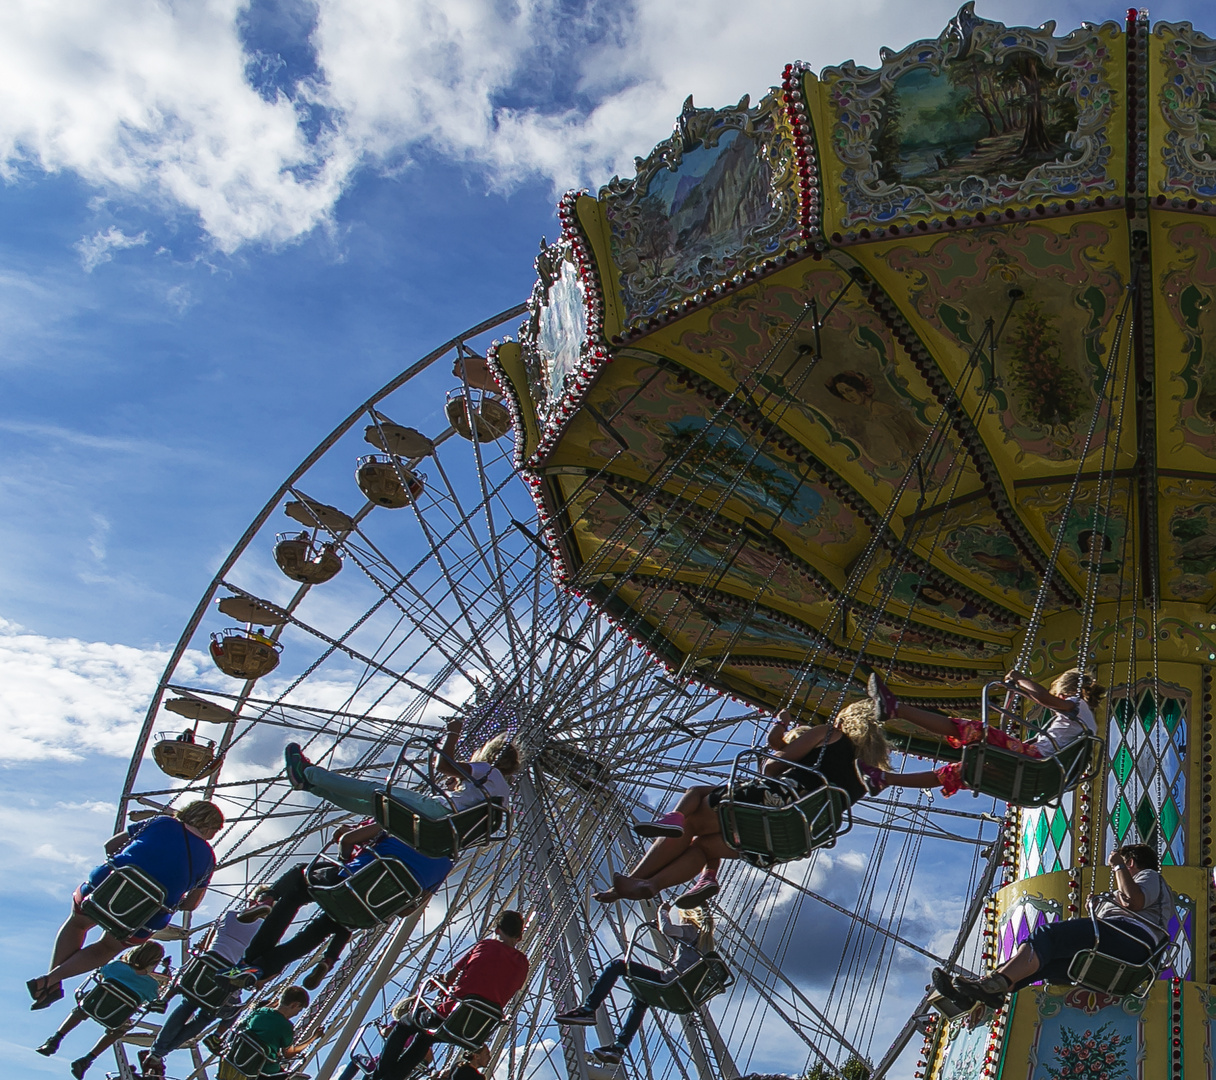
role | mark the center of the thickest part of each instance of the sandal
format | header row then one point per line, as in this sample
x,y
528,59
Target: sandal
x,y
48,997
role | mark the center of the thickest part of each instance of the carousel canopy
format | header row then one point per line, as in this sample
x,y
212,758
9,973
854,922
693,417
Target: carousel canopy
x,y
850,372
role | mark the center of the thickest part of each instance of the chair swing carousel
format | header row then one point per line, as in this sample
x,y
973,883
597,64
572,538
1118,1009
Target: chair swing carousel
x,y
887,426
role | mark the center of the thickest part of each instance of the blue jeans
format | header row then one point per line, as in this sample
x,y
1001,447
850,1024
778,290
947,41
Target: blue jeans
x,y
359,796
179,1028
603,987
1055,945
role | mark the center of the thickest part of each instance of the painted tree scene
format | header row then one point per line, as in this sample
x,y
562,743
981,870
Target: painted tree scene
x,y
974,117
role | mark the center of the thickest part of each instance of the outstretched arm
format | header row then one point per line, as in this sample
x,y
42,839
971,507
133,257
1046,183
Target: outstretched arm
x,y
1038,694
447,752
356,837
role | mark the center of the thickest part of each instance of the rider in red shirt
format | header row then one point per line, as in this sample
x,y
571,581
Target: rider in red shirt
x,y
493,970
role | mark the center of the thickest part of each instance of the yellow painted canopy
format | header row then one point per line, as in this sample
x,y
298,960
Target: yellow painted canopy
x,y
829,382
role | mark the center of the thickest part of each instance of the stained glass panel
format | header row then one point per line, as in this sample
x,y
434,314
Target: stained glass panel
x,y
1046,838
1146,784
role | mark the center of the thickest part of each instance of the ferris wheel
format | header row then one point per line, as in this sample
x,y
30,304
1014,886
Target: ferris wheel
x,y
359,611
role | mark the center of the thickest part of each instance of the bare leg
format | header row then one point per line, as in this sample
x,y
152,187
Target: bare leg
x,y
1021,965
89,958
938,725
70,938
698,819
73,1020
685,868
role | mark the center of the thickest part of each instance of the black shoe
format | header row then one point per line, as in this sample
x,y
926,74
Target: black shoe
x,y
945,986
49,1048
990,991
579,1017
81,1066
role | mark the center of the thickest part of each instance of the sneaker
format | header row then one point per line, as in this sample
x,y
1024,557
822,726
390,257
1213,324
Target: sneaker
x,y
668,825
313,979
242,978
296,764
885,702
609,1055
214,1044
252,914
81,1066
580,1017
49,1048
944,985
874,780
705,887
990,991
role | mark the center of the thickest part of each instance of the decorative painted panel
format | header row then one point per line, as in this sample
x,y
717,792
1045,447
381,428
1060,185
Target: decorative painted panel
x,y
985,116
1046,838
1087,1035
966,1049
1023,918
1146,789
1185,61
1182,932
716,198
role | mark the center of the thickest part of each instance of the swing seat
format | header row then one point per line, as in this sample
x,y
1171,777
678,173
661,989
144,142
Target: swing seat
x,y
1025,781
197,980
444,838
126,901
301,560
244,1059
108,1002
469,1025
767,835
375,893
686,993
1107,974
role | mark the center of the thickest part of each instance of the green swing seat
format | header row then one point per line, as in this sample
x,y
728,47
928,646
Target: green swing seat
x,y
485,822
197,980
767,835
686,993
244,1058
108,1002
379,891
445,837
1107,974
469,1024
126,901
1020,780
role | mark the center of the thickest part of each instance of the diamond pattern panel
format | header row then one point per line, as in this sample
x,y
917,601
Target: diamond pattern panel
x,y
1046,838
1146,785
1022,919
1182,930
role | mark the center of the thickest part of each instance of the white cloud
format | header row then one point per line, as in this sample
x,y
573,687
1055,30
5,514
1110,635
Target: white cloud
x,y
100,247
63,698
152,100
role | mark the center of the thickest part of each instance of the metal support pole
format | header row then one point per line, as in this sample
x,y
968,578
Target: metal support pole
x,y
377,979
562,905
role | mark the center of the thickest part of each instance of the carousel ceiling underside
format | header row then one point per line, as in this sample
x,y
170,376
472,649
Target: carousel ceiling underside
x,y
902,294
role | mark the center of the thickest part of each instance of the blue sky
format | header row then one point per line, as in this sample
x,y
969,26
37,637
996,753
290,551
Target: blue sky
x,y
221,226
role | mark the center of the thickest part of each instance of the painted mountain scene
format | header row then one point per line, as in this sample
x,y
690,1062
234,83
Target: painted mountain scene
x,y
698,221
974,117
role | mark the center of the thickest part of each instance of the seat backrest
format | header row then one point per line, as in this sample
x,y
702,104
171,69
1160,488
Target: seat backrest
x,y
125,901
470,1023
109,1003
1026,781
244,1059
688,991
197,980
773,834
443,837
375,893
1109,975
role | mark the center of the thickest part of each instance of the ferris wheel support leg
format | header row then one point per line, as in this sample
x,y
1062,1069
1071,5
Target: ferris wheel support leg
x,y
384,968
562,906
